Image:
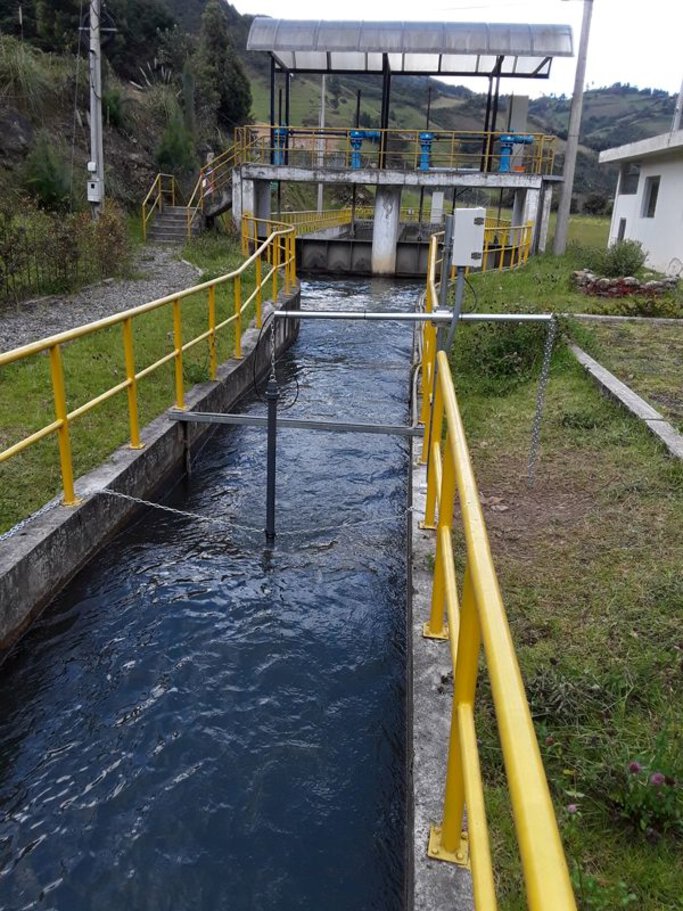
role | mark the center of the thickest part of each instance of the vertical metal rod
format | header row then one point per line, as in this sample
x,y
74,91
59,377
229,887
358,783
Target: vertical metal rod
x,y
259,293
272,110
457,307
272,396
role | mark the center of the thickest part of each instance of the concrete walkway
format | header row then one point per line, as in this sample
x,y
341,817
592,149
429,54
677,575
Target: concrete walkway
x,y
437,886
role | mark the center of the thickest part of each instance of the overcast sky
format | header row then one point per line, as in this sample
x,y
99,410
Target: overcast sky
x,y
636,41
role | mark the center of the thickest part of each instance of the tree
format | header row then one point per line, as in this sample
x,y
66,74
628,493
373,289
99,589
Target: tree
x,y
222,89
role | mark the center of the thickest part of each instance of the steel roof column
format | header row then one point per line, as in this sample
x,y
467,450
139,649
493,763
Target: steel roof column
x,y
384,115
272,108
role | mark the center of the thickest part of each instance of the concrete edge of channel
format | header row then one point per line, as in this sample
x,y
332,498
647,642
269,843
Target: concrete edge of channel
x,y
437,886
653,420
51,547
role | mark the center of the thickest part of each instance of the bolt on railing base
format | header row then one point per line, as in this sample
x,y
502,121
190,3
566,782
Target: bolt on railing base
x,y
436,851
427,633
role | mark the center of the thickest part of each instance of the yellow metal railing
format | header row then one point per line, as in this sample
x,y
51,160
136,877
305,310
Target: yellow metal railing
x,y
468,620
277,250
282,253
164,191
332,147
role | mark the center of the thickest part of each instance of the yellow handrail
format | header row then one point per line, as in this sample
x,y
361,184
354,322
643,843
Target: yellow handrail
x,y
277,247
477,619
397,149
163,189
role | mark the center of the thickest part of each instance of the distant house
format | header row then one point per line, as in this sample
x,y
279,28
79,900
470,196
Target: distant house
x,y
649,200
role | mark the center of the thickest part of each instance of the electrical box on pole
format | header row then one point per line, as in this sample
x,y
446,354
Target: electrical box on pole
x,y
468,236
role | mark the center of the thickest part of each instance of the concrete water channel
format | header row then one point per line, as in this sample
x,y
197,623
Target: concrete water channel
x,y
200,722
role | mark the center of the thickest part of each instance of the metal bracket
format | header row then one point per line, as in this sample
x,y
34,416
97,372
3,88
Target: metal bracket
x,y
444,635
461,857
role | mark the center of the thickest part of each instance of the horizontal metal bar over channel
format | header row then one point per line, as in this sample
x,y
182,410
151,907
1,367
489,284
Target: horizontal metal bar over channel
x,y
208,417
436,316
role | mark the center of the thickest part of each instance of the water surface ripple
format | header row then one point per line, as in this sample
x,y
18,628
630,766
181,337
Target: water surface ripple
x,y
200,723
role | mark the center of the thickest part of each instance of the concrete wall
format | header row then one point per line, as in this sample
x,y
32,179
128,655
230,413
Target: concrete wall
x,y
661,236
38,561
385,228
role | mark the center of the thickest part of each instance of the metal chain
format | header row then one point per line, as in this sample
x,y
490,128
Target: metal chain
x,y
540,400
230,524
24,522
272,349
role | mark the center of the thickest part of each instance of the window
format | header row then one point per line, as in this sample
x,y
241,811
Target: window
x,y
628,179
650,197
622,229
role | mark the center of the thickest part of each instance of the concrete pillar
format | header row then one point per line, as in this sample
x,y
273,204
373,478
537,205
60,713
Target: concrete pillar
x,y
542,232
518,214
262,199
242,197
385,230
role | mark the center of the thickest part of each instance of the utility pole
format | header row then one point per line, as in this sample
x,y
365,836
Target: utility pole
x,y
96,163
676,123
562,225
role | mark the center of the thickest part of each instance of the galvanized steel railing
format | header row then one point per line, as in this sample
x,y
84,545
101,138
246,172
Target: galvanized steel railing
x,y
468,620
277,251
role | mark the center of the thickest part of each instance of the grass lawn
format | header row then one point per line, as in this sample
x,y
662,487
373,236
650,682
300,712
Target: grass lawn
x,y
94,364
648,358
590,563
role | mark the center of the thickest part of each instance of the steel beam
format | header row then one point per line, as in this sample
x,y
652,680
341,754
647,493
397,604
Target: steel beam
x,y
252,420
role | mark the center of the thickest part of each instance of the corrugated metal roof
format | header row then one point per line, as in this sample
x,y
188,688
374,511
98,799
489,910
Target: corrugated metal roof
x,y
424,48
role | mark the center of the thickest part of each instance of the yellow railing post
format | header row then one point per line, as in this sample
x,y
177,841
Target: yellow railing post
x,y
178,356
435,628
59,392
213,356
433,434
447,841
275,248
132,390
285,245
259,293
237,291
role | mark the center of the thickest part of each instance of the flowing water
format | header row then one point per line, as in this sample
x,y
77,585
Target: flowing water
x,y
199,722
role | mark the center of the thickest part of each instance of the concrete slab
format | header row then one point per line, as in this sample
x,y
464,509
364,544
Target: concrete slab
x,y
437,886
619,391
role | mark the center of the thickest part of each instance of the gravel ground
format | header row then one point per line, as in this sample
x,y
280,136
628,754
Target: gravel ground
x,y
160,271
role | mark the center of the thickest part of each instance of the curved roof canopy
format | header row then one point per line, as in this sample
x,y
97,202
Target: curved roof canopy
x,y
416,48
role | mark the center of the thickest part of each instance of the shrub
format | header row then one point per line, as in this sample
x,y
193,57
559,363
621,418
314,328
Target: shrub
x,y
46,174
175,154
114,107
503,355
623,258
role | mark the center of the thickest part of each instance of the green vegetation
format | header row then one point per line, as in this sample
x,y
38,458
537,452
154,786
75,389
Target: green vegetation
x,y
92,365
623,258
589,562
46,252
648,358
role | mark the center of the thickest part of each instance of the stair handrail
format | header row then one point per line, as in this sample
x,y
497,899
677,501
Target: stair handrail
x,y
213,177
163,185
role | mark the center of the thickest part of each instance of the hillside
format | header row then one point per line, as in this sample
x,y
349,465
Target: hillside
x,y
153,50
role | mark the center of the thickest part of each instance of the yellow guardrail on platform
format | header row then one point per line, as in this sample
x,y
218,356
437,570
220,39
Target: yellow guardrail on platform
x,y
344,147
276,250
470,614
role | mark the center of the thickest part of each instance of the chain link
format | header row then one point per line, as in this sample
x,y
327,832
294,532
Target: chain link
x,y
540,400
230,524
24,522
272,349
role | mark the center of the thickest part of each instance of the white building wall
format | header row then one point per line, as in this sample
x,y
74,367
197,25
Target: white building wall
x,y
661,236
